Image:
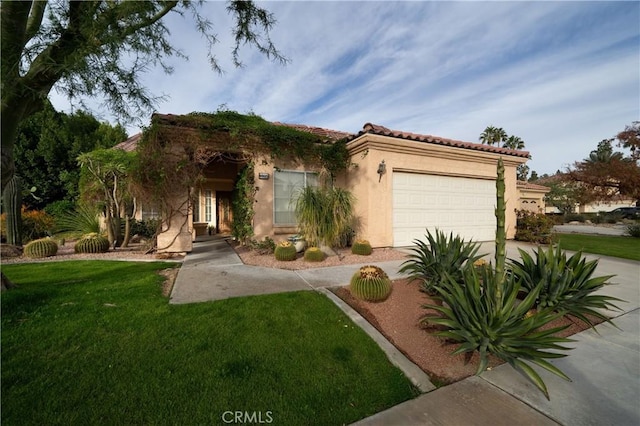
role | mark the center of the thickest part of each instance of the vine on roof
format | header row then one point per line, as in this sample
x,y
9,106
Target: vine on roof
x,y
174,150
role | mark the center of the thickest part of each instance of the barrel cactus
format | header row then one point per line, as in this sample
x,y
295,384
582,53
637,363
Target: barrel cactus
x,y
285,251
370,283
44,247
92,243
313,254
361,247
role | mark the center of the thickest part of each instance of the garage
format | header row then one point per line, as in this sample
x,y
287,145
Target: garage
x,y
461,205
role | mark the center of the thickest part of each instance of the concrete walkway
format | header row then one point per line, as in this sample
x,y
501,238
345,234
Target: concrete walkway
x,y
604,366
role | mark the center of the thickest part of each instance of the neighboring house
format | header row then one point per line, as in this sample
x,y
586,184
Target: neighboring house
x,y
531,196
403,183
604,206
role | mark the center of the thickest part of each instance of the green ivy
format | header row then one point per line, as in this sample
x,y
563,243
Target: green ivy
x,y
242,205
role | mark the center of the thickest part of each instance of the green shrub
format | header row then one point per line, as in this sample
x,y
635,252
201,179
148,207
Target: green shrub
x,y
43,247
92,243
474,316
566,285
633,230
59,208
573,217
361,247
346,237
324,214
84,219
266,246
370,283
438,258
313,254
147,228
285,251
36,224
533,227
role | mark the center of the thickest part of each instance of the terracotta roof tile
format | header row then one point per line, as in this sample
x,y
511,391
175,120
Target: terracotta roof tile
x,y
319,131
130,144
532,186
376,129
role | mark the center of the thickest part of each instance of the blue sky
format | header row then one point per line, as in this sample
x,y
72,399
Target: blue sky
x,y
560,75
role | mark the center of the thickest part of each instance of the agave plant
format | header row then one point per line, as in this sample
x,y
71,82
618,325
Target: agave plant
x,y
566,285
440,256
476,317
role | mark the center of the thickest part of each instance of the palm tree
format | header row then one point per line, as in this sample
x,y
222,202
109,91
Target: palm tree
x,y
604,153
493,135
513,142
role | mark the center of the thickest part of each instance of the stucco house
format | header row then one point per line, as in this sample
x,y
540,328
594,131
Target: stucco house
x,y
403,183
532,196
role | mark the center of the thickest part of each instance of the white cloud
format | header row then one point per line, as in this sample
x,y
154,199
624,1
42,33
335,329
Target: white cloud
x,y
561,75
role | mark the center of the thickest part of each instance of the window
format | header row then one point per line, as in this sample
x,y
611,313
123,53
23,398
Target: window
x,y
208,201
150,212
196,207
286,185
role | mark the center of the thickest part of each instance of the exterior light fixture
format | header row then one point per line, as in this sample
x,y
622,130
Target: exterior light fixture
x,y
382,169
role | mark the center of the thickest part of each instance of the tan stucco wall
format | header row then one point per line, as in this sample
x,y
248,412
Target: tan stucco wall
x,y
532,201
374,199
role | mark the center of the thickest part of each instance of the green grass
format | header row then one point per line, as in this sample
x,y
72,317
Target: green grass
x,y
624,247
92,342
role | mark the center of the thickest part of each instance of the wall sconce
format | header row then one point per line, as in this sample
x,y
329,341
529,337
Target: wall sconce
x,y
382,169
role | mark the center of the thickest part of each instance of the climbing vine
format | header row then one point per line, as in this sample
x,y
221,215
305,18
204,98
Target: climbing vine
x,y
175,149
242,205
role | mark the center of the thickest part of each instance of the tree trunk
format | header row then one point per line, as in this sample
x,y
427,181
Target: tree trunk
x,y
127,231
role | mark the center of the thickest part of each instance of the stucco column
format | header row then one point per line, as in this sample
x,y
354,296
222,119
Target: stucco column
x,y
176,231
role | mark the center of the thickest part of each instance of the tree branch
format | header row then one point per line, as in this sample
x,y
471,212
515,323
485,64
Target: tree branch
x,y
35,19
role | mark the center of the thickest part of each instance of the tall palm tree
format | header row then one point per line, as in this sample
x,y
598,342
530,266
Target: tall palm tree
x,y
604,153
493,135
513,142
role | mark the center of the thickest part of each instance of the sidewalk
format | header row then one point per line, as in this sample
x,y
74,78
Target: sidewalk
x,y
604,367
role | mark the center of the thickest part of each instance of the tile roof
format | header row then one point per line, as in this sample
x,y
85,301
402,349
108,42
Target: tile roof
x,y
319,131
130,144
376,129
532,186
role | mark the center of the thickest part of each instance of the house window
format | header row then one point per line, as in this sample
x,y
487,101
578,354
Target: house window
x,y
150,212
286,185
208,204
196,207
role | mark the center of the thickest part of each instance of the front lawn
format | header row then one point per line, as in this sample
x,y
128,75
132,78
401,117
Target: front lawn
x,y
624,247
94,342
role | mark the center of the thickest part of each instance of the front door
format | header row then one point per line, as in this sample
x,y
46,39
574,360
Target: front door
x,y
224,216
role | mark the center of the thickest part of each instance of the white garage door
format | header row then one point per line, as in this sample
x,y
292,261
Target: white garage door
x,y
464,206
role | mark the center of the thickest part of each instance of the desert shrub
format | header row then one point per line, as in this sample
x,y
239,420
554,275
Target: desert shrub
x,y
533,227
346,237
92,243
324,214
266,246
43,247
59,208
370,283
613,218
573,217
361,247
564,285
83,219
474,316
633,230
314,254
147,228
439,257
36,224
285,251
